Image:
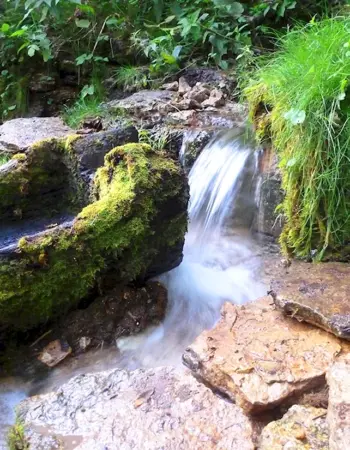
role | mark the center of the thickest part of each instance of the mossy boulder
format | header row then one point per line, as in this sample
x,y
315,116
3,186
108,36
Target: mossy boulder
x,y
136,213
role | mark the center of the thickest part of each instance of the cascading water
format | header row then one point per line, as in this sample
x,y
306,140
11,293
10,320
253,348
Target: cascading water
x,y
219,261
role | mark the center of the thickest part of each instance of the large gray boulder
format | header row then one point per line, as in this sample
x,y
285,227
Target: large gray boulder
x,y
18,135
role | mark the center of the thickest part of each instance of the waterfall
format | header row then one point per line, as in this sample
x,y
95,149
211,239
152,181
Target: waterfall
x,y
220,262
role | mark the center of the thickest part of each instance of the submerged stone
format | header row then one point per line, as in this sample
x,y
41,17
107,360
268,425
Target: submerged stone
x,y
134,212
154,409
260,358
300,428
316,293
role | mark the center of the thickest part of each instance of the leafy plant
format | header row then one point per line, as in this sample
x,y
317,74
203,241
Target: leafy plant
x,y
300,99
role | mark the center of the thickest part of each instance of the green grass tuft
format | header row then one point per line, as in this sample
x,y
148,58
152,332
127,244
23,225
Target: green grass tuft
x,y
300,99
90,107
131,78
4,158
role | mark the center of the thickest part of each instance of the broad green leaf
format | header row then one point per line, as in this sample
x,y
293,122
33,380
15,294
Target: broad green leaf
x,y
12,107
23,46
32,49
112,21
295,116
46,54
5,27
169,59
18,33
236,9
82,23
169,19
291,162
177,51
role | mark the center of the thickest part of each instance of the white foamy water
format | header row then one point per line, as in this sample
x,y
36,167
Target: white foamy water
x,y
220,262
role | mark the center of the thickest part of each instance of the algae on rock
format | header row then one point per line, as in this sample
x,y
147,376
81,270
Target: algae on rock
x,y
121,231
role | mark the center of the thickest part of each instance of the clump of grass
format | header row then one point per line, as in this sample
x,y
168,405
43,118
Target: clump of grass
x,y
4,158
88,107
130,77
16,437
300,100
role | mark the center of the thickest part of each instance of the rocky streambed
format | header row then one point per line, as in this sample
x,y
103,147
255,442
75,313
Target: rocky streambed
x,y
262,378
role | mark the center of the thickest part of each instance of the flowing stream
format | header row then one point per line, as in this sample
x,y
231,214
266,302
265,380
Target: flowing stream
x,y
220,264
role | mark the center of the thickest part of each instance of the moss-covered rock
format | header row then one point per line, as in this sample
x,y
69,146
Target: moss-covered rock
x,y
43,181
138,210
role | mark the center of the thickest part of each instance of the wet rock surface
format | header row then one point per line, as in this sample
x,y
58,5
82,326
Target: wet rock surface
x,y
18,135
124,311
267,220
260,358
338,378
316,293
300,428
162,408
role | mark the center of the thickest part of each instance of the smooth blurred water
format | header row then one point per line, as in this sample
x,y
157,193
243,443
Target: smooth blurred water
x,y
220,262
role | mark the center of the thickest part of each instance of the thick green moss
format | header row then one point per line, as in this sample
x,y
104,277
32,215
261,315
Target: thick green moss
x,y
45,181
53,272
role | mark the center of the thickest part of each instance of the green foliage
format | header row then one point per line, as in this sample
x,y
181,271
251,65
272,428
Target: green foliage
x,y
300,99
162,35
16,439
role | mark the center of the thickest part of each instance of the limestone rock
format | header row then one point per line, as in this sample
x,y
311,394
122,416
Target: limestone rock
x,y
259,358
338,378
216,99
55,352
150,105
316,293
199,93
183,86
18,135
155,409
300,428
173,86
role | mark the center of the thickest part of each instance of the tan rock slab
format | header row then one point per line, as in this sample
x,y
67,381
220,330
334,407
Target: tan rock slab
x,y
300,428
155,409
338,378
316,293
55,352
258,357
